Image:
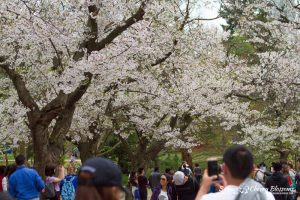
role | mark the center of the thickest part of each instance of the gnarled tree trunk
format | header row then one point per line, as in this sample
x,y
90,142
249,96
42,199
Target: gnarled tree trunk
x,y
186,156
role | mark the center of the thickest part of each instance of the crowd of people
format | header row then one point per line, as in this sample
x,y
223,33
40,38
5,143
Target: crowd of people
x,y
238,178
101,179
22,182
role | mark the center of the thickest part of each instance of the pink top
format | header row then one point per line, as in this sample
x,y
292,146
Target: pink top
x,y
51,179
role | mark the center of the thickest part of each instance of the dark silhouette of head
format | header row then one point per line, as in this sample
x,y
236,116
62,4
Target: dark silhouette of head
x,y
20,160
140,170
239,161
277,166
2,170
168,170
50,171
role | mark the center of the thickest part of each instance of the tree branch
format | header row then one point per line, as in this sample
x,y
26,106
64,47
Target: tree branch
x,y
120,29
59,62
244,96
52,109
110,150
204,19
75,96
91,45
62,125
23,93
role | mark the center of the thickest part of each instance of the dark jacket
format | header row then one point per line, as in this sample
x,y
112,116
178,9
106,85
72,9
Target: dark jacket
x,y
157,191
154,180
276,184
187,191
142,183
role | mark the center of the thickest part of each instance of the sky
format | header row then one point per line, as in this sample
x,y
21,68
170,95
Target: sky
x,y
209,9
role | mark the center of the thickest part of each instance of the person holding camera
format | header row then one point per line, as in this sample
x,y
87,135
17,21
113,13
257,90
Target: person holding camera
x,y
238,165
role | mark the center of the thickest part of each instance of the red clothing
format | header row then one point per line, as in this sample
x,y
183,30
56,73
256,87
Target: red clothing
x,y
1,177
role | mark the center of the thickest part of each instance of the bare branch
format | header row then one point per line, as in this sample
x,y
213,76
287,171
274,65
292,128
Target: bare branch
x,y
186,17
137,91
57,54
244,96
204,19
111,149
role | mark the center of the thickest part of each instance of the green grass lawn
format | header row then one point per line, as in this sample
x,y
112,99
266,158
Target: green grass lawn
x,y
173,160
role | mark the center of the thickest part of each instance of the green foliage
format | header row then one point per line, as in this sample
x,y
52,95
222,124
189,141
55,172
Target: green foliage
x,y
61,160
169,159
239,46
231,13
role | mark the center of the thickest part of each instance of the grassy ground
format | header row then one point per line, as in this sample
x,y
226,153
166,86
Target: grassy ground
x,y
173,160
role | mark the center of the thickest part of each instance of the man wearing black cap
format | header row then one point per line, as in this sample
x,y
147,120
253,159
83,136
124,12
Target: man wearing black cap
x,y
99,178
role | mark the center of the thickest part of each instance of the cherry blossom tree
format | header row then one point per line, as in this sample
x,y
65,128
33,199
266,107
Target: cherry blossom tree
x,y
45,53
272,27
56,53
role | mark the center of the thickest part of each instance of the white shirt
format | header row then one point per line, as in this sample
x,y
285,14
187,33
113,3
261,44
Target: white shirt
x,y
163,195
230,192
4,184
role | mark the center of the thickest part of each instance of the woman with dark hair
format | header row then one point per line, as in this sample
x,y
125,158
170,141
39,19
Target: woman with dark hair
x,y
164,190
99,179
51,179
134,185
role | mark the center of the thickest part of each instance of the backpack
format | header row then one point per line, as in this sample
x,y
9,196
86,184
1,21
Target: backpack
x,y
49,191
261,180
67,190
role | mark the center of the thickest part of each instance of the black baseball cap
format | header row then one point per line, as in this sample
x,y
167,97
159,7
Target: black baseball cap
x,y
104,173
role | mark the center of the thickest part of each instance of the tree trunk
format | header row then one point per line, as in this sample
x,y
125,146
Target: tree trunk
x,y
284,154
85,150
58,136
146,154
186,156
39,140
139,159
88,147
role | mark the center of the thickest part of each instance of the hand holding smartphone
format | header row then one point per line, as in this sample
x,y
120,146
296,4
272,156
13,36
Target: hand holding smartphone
x,y
212,167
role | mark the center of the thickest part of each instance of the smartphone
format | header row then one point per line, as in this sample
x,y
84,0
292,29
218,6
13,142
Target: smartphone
x,y
212,167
